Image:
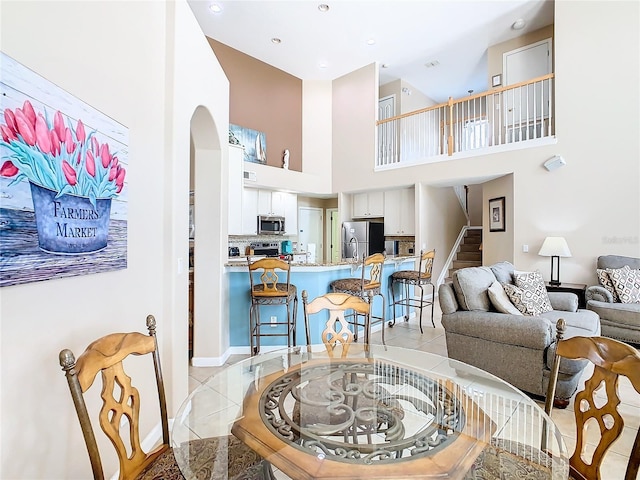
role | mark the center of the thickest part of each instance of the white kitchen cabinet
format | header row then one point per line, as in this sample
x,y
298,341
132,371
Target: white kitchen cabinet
x,y
399,212
235,190
264,202
367,204
290,208
249,211
267,202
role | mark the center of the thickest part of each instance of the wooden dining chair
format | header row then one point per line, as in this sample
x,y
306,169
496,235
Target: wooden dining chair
x,y
336,333
119,416
611,359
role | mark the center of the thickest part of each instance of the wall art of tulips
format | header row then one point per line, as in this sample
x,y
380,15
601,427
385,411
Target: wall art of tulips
x,y
56,154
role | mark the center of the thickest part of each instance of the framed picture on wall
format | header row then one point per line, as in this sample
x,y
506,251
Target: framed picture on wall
x,y
253,142
496,214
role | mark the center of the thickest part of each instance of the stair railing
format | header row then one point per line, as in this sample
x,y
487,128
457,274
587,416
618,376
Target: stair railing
x,y
462,192
503,116
454,251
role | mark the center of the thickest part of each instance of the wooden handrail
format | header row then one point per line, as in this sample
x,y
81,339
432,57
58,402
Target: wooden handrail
x,y
451,101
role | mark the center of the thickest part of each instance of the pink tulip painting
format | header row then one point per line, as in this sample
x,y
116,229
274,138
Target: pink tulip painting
x,y
59,154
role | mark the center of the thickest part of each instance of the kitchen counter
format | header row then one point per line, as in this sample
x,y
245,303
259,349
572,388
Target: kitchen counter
x,y
234,265
312,277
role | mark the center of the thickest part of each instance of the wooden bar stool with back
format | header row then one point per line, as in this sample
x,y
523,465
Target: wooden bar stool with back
x,y
266,290
409,279
366,287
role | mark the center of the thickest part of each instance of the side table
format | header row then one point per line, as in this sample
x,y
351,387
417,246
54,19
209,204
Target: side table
x,y
578,288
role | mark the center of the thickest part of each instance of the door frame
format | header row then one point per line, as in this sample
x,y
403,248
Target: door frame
x,y
329,212
319,248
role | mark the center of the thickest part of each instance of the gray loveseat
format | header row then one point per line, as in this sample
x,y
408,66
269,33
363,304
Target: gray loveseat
x,y
619,320
516,348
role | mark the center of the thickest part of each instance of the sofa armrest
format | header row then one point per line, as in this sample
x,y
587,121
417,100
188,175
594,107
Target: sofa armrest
x,y
598,293
520,330
564,301
447,298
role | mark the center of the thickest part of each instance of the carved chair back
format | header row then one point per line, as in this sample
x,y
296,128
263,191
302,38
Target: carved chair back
x,y
597,403
374,279
269,285
425,267
336,332
120,399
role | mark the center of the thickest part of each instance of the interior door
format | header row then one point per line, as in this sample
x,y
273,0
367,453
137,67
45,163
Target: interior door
x,y
520,65
387,144
310,233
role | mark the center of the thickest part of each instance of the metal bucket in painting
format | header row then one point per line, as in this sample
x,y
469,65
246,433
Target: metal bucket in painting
x,y
70,224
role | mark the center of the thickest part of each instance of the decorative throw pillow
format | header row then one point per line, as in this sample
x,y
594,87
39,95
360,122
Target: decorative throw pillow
x,y
533,294
500,299
627,284
470,285
605,281
516,295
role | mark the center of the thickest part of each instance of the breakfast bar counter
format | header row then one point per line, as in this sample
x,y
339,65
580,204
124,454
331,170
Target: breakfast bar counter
x,y
315,278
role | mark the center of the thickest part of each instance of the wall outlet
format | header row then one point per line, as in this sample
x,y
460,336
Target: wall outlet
x,y
274,319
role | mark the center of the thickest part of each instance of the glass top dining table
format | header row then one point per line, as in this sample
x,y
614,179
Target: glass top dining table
x,y
378,412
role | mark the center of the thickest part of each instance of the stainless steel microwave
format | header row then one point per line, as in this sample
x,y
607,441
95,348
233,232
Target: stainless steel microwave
x,y
270,225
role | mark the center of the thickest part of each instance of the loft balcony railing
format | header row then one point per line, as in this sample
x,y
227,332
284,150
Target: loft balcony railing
x,y
510,115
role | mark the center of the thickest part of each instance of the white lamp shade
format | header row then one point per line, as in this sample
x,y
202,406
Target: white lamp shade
x,y
554,247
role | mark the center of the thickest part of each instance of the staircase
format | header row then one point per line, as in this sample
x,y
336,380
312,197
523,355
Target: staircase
x,y
469,253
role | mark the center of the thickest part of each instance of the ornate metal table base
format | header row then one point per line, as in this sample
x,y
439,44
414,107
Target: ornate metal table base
x,y
322,419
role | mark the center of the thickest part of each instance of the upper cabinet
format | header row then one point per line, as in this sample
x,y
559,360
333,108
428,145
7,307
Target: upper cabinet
x,y
235,190
399,212
267,202
368,204
249,212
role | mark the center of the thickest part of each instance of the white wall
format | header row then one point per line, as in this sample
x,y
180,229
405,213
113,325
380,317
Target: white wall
x,y
355,108
439,223
316,131
498,246
94,50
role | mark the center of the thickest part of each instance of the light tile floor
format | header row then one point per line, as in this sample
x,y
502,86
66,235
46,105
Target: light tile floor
x,y
407,335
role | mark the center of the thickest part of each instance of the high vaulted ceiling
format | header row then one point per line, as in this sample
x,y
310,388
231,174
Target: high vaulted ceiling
x,y
317,45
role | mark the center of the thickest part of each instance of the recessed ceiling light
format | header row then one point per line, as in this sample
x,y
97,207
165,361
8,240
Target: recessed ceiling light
x,y
215,8
519,24
371,41
323,7
276,40
322,65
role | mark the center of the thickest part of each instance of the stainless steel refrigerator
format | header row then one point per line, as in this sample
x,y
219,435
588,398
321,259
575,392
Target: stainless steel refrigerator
x,y
362,238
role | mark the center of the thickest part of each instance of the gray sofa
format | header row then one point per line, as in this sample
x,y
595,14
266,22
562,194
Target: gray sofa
x,y
516,348
619,320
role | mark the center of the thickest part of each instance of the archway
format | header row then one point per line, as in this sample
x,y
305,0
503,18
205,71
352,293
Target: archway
x,y
210,221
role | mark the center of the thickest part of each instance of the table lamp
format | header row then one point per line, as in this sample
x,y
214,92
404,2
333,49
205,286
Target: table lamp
x,y
555,247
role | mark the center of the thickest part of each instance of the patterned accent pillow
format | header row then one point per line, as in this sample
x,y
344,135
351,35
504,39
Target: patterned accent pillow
x,y
605,281
500,300
627,284
516,295
534,294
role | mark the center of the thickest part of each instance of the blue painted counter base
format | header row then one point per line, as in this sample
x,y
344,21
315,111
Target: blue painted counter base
x,y
315,281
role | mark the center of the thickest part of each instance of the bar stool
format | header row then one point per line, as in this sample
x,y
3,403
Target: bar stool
x,y
408,279
268,291
366,288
